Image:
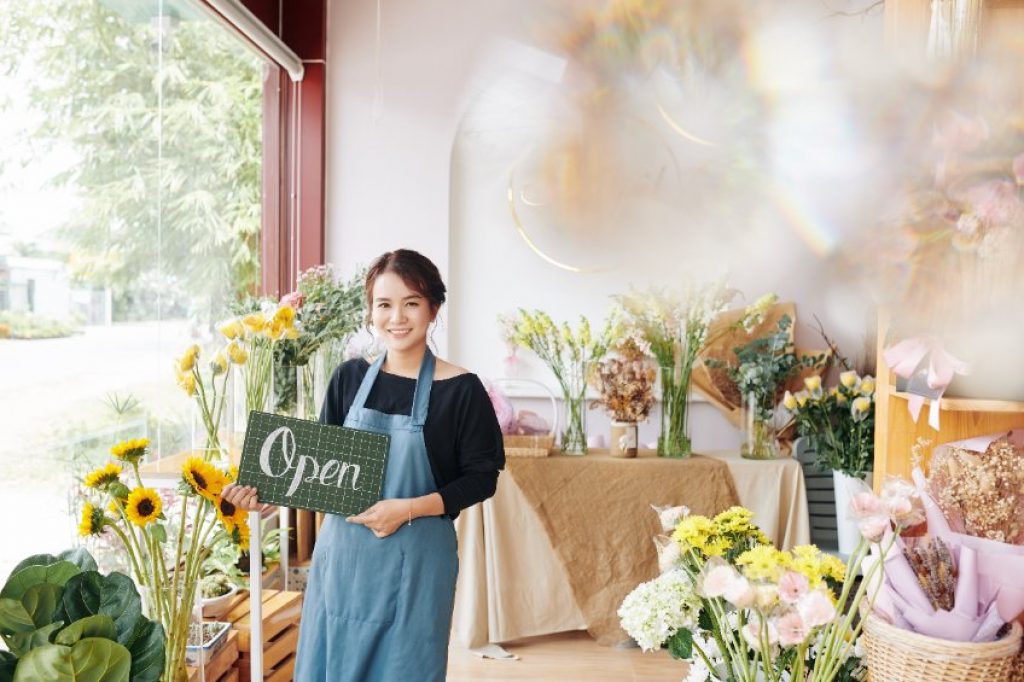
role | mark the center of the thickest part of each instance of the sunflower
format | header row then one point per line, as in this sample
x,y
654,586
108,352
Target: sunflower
x,y
92,521
230,515
204,478
143,507
130,450
103,477
240,535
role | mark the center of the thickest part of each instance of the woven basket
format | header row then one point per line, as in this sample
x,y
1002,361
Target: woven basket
x,y
528,446
896,655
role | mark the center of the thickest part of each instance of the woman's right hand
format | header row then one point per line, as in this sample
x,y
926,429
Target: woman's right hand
x,y
244,497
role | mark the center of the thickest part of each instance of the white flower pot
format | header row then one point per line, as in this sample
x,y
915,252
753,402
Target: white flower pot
x,y
846,524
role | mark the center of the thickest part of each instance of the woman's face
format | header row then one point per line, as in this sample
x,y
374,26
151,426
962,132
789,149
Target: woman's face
x,y
400,315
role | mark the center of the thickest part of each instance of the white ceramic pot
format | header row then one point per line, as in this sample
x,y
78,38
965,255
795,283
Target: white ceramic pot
x,y
845,488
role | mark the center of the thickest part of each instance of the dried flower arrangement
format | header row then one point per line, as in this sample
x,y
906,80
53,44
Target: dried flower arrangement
x,y
626,383
933,565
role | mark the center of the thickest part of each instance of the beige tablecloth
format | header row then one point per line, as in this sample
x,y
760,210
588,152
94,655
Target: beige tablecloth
x,y
512,583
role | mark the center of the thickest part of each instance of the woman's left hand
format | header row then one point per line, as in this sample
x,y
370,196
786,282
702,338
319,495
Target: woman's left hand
x,y
383,518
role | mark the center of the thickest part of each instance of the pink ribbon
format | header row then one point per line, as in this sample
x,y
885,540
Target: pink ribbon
x,y
905,357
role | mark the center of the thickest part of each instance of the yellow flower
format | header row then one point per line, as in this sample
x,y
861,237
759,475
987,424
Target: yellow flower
x,y
693,531
849,378
833,568
762,562
813,383
254,322
789,402
114,509
130,450
801,398
231,516
92,521
274,330
237,353
187,382
219,364
187,361
717,546
204,478
285,315
102,477
867,386
291,333
233,329
860,407
240,535
143,506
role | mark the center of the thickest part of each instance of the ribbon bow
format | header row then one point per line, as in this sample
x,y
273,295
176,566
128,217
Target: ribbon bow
x,y
906,357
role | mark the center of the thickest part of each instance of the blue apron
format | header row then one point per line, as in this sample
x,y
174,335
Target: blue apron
x,y
380,609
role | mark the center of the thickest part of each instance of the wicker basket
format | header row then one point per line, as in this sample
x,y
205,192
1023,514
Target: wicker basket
x,y
896,655
528,446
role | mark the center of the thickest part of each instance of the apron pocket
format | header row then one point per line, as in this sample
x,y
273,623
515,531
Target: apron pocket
x,y
363,578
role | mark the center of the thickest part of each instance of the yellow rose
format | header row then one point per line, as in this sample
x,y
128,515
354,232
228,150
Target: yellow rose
x,y
849,379
860,407
812,384
867,386
237,353
789,402
801,398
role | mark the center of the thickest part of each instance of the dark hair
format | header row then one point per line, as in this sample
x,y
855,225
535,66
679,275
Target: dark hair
x,y
417,271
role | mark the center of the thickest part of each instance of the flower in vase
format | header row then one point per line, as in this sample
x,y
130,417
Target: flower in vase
x,y
144,506
867,386
849,378
92,521
816,608
254,322
219,364
791,628
873,527
860,407
188,360
237,353
187,383
102,477
754,314
233,330
229,514
813,385
865,504
130,450
294,300
763,562
793,586
789,402
203,478
655,610
693,531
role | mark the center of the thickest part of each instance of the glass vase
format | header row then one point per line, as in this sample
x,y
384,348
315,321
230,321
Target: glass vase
x,y
759,438
574,434
180,612
674,439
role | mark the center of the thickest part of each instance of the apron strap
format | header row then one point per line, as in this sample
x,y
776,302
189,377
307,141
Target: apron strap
x,y
364,388
421,399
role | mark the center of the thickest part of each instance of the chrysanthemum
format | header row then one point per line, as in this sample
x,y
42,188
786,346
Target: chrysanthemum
x,y
204,478
92,521
693,531
102,477
143,506
762,562
130,450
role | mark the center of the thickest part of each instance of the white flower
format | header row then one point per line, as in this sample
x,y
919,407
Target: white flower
x,y
656,609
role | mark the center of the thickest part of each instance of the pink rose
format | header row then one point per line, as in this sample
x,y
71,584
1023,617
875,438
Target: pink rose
x,y
873,528
294,299
865,504
791,628
792,586
816,609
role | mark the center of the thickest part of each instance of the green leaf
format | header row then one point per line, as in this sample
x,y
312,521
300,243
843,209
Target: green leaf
x,y
90,660
14,617
34,560
24,642
91,626
56,573
147,650
680,645
41,602
159,533
8,662
80,557
704,621
114,595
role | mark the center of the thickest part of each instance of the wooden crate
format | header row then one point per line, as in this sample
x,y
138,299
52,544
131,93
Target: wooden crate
x,y
221,667
280,610
278,657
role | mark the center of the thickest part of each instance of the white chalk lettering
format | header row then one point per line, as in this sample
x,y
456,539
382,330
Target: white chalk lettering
x,y
302,468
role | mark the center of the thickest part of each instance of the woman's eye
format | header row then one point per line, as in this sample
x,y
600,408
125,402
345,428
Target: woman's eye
x,y
414,304
382,305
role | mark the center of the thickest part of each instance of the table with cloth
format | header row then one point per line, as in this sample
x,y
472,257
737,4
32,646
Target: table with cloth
x,y
564,538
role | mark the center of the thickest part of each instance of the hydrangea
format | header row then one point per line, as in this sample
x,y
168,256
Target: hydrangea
x,y
656,609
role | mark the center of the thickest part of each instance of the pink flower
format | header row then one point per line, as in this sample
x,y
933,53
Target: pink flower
x,y
752,633
741,593
901,501
873,528
816,609
718,580
792,586
1018,169
294,299
791,628
865,504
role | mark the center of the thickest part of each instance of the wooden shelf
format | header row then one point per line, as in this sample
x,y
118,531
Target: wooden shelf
x,y
970,404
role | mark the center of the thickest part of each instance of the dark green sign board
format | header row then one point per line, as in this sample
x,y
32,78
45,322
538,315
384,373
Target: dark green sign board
x,y
308,465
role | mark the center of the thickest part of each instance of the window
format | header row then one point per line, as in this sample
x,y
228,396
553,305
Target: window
x,y
130,219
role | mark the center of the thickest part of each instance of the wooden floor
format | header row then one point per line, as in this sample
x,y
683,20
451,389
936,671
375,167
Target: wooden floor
x,y
566,657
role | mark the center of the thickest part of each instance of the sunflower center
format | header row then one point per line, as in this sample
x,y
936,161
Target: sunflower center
x,y
227,508
200,481
145,508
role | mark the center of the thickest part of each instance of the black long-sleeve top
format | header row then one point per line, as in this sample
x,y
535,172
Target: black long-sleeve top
x,y
463,438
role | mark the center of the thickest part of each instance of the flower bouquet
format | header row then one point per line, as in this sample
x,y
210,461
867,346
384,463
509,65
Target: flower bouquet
x,y
251,341
165,559
626,388
568,354
741,610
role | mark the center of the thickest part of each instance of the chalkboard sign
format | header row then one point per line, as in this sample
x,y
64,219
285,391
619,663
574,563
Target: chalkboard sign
x,y
308,465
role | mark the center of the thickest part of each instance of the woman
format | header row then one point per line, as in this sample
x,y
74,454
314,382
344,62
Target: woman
x,y
381,588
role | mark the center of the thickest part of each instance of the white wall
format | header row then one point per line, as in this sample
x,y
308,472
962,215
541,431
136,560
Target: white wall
x,y
407,165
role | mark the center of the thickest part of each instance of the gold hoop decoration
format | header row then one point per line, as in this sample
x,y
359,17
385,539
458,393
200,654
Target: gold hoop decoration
x,y
681,131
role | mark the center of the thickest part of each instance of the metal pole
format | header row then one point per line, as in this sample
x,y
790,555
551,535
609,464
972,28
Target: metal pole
x,y
255,598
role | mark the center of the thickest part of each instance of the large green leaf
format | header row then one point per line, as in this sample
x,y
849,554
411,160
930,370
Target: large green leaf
x,y
680,645
14,617
8,662
34,560
92,659
56,573
99,625
147,650
24,642
114,595
41,602
80,557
